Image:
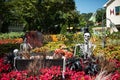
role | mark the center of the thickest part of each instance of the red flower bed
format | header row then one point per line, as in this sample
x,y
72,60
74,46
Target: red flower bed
x,y
52,73
4,67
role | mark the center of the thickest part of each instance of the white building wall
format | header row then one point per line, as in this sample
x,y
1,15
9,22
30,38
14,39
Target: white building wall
x,y
113,17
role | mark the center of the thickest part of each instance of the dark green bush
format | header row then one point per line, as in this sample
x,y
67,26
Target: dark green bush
x,y
6,48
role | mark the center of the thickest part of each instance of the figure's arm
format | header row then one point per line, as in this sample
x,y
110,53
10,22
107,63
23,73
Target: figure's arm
x,y
77,45
30,46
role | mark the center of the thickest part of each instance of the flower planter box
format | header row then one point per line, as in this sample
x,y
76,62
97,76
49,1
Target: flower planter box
x,y
22,64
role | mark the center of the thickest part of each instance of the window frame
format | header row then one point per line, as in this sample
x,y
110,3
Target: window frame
x,y
117,10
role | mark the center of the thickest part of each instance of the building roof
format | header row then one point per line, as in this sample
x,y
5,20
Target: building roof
x,y
108,2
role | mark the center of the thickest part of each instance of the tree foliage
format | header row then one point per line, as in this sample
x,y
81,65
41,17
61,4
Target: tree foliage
x,y
101,15
84,20
4,13
43,15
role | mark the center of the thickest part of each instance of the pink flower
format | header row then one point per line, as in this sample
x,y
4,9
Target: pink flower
x,y
116,76
87,77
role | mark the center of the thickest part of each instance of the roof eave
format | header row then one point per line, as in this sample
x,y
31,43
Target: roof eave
x,y
107,3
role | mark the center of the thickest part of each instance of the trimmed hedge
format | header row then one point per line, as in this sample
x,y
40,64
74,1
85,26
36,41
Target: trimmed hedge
x,y
11,35
6,48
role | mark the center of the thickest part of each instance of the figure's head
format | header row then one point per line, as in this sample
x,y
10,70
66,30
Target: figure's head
x,y
87,36
15,52
25,40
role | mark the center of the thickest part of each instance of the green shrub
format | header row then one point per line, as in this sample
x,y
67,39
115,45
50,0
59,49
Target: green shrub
x,y
63,29
74,38
6,48
115,35
47,38
11,35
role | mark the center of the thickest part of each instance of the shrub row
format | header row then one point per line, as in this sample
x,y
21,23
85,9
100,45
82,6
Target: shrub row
x,y
11,35
6,48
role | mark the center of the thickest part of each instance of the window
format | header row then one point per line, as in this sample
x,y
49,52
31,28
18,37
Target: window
x,y
117,10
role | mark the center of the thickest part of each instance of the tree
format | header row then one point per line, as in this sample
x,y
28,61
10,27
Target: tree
x,y
4,14
86,17
43,15
56,12
101,15
1,12
24,11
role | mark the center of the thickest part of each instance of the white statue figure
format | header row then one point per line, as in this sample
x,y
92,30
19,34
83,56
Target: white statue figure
x,y
15,51
16,54
87,47
25,46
